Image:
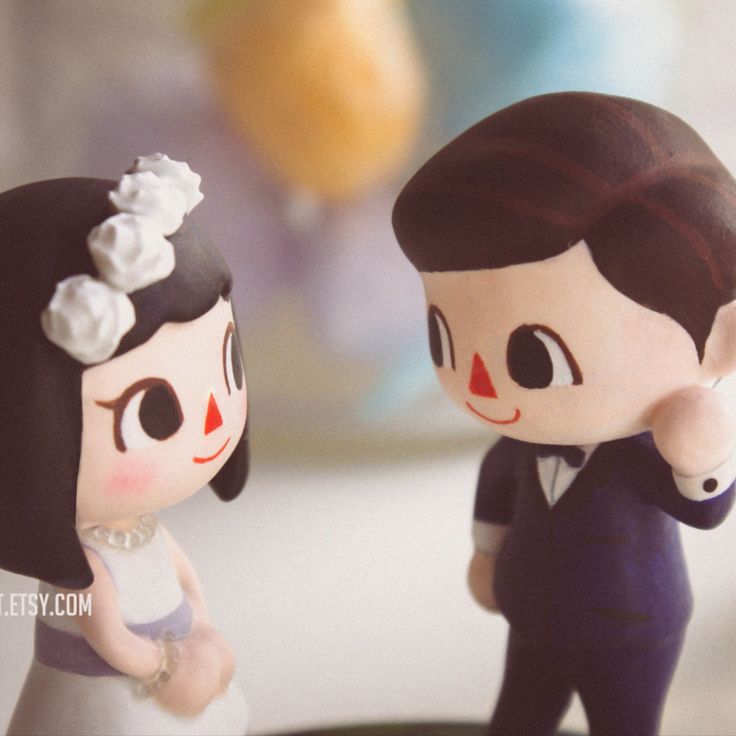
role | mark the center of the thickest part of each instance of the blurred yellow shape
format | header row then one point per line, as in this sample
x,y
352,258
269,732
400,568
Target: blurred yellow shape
x,y
329,92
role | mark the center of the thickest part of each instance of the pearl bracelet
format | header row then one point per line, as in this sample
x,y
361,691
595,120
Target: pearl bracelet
x,y
170,650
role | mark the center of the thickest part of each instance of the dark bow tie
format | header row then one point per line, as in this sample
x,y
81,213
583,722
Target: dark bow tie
x,y
571,454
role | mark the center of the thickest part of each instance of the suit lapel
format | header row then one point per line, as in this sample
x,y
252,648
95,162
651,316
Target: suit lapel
x,y
592,475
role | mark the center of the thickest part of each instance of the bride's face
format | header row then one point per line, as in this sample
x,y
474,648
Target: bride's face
x,y
161,420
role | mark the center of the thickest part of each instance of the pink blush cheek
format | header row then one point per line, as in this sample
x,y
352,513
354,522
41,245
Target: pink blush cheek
x,y
129,478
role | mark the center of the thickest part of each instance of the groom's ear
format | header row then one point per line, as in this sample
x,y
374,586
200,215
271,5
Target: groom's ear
x,y
720,348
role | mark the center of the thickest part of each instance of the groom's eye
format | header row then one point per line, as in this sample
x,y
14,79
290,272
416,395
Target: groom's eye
x,y
537,357
440,339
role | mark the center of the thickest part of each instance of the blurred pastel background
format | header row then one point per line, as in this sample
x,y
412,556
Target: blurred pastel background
x,y
339,573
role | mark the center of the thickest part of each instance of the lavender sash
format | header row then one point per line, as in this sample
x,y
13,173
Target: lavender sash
x,y
71,653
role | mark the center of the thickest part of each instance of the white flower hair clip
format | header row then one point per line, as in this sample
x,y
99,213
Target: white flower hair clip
x,y
87,317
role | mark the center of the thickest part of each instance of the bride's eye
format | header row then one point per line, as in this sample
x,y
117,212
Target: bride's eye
x,y
232,361
537,357
440,339
148,411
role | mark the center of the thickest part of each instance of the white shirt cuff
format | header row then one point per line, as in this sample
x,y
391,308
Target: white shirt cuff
x,y
488,537
707,485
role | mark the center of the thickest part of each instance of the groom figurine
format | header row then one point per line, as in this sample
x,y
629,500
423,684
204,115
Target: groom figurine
x,y
578,253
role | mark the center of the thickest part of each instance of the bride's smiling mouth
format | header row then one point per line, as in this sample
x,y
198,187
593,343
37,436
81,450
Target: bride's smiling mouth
x,y
201,460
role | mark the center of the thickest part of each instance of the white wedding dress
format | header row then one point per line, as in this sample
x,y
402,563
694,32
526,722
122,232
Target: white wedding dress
x,y
69,689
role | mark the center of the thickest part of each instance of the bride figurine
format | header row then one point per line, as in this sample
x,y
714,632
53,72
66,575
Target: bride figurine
x,y
123,393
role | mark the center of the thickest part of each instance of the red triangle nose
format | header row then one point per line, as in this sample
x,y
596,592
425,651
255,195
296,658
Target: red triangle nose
x,y
213,420
480,381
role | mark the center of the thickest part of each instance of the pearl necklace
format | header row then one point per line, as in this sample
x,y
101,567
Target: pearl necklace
x,y
119,539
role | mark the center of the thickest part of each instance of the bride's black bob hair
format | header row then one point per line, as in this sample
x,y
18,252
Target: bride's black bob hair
x,y
43,232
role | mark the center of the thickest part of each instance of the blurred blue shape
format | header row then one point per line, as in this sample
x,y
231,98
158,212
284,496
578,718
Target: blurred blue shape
x,y
485,54
405,382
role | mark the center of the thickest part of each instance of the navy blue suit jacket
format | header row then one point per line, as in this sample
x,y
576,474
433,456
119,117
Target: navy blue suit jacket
x,y
604,566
